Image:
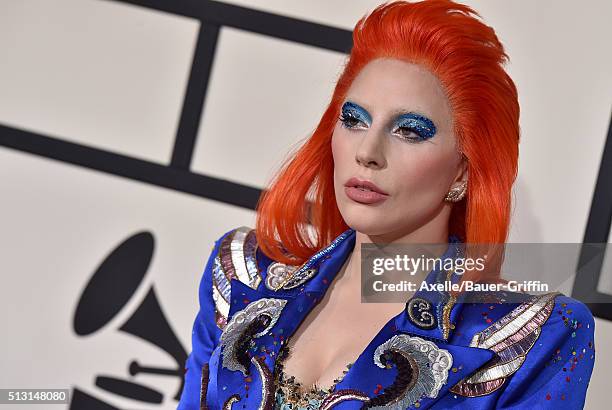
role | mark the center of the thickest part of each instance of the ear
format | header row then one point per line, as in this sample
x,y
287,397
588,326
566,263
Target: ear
x,y
462,170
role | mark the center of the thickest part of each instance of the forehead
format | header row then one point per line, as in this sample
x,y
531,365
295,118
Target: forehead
x,y
388,85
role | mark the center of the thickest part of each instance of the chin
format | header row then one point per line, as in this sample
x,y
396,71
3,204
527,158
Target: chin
x,y
368,223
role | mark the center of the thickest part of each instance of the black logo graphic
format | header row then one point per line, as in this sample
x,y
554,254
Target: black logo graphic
x,y
108,291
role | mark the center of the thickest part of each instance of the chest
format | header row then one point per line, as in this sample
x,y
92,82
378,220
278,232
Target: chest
x,y
332,337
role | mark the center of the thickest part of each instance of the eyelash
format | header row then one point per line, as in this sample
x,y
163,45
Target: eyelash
x,y
345,123
346,118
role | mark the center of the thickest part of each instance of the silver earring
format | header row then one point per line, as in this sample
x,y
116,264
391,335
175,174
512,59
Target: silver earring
x,y
456,194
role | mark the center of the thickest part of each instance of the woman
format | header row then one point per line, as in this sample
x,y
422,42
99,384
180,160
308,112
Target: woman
x,y
418,145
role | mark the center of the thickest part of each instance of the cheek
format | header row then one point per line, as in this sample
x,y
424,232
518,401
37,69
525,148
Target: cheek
x,y
428,172
334,147
341,151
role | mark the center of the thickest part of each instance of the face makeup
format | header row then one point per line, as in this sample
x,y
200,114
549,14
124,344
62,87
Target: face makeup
x,y
394,129
409,126
354,114
416,123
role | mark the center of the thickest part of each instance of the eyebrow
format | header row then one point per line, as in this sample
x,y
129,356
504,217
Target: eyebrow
x,y
395,113
402,112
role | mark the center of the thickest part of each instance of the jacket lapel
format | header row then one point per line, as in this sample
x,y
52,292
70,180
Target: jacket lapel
x,y
253,390
365,379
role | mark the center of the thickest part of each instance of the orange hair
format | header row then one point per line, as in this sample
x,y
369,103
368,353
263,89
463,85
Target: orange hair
x,y
467,57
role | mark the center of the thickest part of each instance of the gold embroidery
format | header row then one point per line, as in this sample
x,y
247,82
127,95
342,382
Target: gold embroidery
x,y
446,310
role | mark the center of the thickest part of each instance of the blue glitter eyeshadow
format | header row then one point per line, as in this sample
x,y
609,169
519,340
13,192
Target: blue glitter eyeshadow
x,y
418,123
352,110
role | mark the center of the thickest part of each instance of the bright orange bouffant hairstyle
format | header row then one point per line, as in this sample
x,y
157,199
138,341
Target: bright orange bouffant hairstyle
x,y
467,57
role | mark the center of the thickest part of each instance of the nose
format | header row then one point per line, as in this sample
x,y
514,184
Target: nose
x,y
370,151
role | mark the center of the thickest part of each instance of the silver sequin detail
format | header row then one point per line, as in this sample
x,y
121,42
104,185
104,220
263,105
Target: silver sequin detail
x,y
235,259
511,338
512,322
243,248
433,364
238,323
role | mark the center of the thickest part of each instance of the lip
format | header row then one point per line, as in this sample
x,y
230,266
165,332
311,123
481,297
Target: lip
x,y
371,195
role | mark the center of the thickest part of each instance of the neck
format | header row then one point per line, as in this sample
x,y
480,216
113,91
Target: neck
x,y
420,236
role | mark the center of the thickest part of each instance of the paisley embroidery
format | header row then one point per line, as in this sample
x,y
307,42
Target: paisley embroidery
x,y
422,369
291,276
254,321
236,259
421,313
277,274
511,338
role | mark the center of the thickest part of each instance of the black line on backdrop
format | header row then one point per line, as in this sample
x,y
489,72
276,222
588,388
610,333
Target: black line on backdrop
x,y
228,192
590,262
256,21
195,96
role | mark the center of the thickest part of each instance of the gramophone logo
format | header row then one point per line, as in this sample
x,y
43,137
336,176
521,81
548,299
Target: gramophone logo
x,y
106,294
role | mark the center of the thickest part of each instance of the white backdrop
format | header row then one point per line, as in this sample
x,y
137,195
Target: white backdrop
x,y
112,76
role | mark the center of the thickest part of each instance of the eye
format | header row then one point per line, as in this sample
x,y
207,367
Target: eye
x,y
408,134
349,121
354,116
414,128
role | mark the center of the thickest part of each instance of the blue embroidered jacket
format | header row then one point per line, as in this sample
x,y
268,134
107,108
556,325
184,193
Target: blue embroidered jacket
x,y
437,353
